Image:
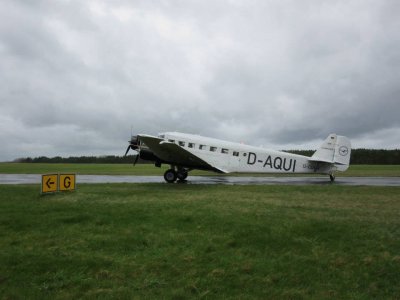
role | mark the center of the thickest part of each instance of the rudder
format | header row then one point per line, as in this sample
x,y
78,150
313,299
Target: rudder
x,y
342,153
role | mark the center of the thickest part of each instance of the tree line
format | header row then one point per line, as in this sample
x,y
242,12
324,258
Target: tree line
x,y
366,156
108,159
358,156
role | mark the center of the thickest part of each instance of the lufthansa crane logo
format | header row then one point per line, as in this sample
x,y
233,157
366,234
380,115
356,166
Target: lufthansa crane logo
x,y
343,151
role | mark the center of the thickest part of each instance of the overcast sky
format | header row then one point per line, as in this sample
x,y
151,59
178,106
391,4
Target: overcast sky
x,y
75,76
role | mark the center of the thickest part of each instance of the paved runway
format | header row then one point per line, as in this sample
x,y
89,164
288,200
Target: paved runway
x,y
366,181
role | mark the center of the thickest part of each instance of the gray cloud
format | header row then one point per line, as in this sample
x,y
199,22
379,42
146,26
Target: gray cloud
x,y
75,76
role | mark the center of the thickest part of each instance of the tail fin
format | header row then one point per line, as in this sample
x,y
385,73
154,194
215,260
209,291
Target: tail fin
x,y
336,149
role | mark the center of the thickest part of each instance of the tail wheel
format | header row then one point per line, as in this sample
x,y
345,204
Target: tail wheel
x,y
182,175
332,177
170,176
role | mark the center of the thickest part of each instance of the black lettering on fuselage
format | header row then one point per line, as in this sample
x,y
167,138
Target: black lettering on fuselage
x,y
268,162
251,159
278,163
311,166
287,168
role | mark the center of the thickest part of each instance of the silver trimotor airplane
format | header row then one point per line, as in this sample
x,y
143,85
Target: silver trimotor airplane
x,y
186,152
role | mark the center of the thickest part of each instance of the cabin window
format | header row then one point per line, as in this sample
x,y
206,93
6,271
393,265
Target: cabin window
x,y
213,149
182,144
202,147
171,141
191,145
225,151
235,153
245,154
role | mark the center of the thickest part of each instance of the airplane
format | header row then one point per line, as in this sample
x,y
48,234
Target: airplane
x,y
186,152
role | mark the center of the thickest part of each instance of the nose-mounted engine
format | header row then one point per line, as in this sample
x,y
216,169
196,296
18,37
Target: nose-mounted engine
x,y
141,151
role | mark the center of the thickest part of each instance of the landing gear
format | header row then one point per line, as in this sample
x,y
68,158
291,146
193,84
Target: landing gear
x,y
170,175
332,177
182,175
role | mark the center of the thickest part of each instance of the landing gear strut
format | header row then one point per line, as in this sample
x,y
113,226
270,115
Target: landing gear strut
x,y
332,177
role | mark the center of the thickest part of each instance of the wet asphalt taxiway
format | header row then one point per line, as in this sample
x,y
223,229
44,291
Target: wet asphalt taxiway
x,y
245,180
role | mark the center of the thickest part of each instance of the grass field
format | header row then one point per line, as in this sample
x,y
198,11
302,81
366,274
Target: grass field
x,y
145,169
156,241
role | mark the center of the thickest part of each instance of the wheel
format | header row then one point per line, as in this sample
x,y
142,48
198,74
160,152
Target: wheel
x,y
332,177
170,176
182,175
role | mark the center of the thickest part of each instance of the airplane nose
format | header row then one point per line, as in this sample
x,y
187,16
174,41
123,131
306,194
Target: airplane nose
x,y
134,144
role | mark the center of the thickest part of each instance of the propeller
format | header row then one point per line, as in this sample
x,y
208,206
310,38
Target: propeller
x,y
136,158
134,144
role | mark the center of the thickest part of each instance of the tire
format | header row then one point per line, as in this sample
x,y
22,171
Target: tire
x,y
170,176
182,175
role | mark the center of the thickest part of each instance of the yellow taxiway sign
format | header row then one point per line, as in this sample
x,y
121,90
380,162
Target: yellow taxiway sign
x,y
67,182
52,183
49,183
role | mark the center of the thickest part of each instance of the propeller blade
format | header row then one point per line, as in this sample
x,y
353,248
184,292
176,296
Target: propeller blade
x,y
127,150
134,144
136,159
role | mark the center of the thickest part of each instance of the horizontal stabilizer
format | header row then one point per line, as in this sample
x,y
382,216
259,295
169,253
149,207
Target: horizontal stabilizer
x,y
321,160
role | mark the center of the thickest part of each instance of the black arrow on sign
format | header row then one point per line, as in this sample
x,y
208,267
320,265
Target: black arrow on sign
x,y
48,183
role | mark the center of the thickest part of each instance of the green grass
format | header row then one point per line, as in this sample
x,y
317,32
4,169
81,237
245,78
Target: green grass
x,y
97,169
372,171
154,241
148,169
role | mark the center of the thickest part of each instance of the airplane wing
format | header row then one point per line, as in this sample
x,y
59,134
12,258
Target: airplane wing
x,y
175,154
